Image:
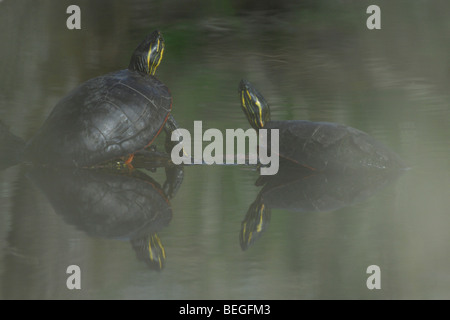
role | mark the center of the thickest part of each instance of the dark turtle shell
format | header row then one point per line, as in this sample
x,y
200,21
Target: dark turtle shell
x,y
331,146
107,117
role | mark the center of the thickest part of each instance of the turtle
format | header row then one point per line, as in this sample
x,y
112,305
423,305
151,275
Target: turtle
x,y
109,117
319,146
111,204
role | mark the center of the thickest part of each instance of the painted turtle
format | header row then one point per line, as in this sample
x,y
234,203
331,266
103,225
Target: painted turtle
x,y
317,145
110,116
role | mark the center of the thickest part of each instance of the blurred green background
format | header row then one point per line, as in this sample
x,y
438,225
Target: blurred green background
x,y
312,60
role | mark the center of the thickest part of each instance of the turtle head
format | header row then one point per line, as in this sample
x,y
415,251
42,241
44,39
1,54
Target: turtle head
x,y
148,55
254,105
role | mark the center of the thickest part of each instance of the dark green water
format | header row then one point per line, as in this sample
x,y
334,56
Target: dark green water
x,y
314,61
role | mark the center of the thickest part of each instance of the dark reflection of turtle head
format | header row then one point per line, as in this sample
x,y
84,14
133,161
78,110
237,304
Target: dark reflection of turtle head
x,y
255,223
109,204
150,250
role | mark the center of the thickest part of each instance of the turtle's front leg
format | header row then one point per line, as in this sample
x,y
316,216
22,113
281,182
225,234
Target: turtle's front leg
x,y
174,173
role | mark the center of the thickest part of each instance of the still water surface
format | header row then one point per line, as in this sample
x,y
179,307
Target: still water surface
x,y
315,61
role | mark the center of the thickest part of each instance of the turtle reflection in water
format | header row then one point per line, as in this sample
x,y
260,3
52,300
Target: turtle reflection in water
x,y
297,189
110,204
